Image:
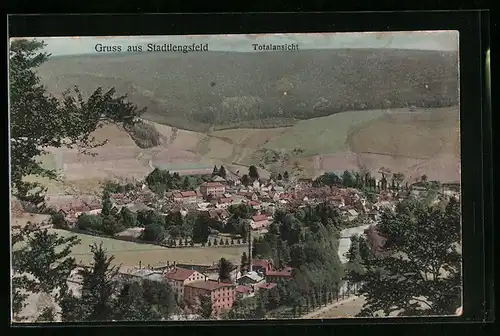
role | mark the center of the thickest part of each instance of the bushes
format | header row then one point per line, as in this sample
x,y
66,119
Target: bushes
x,y
144,135
58,220
92,223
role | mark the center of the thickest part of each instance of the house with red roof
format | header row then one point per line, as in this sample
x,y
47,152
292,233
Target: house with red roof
x,y
224,202
259,222
243,292
215,189
187,197
221,294
261,266
276,275
265,286
178,278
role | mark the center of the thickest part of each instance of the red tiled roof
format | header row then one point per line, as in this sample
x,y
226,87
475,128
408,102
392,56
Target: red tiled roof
x,y
225,200
188,194
213,184
287,272
267,285
259,218
243,289
209,285
260,263
179,274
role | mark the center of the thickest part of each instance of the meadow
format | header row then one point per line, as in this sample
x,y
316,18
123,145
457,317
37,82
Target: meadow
x,y
129,254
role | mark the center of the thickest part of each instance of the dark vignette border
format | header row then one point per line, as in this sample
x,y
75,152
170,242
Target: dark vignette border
x,y
475,122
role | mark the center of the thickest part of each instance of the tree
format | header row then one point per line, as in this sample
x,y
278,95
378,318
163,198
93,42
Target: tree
x,y
398,178
280,177
191,243
98,288
226,242
422,273
354,267
347,179
106,203
245,180
153,233
221,241
216,242
59,221
205,309
222,172
39,121
215,171
225,268
244,259
41,263
424,178
186,185
286,176
210,243
201,230
129,218
253,173
144,300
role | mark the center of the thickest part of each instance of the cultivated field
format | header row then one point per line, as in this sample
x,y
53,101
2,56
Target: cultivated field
x,y
129,254
420,134
322,135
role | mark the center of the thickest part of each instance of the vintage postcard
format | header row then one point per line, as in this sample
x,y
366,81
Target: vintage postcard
x,y
226,177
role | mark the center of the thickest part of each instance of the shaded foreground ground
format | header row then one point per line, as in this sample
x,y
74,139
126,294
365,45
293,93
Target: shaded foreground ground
x,y
345,308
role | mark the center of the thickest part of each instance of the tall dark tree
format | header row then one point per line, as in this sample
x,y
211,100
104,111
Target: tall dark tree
x,y
201,230
106,203
245,180
285,175
279,177
98,289
225,268
244,259
39,121
422,273
347,179
222,172
354,269
215,171
253,173
186,185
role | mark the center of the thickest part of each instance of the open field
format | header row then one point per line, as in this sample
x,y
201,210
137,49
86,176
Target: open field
x,y
129,254
420,134
322,135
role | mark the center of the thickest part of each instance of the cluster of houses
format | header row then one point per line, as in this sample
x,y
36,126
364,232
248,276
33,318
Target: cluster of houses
x,y
264,196
192,282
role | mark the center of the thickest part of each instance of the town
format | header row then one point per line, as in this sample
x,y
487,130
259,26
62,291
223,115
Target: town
x,y
226,209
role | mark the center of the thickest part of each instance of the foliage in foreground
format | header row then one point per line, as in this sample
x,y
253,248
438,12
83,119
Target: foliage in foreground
x,y
422,273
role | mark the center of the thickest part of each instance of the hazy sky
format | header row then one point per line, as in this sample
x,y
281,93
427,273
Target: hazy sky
x,y
423,40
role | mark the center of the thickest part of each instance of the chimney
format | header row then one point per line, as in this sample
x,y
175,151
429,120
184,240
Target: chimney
x,y
140,264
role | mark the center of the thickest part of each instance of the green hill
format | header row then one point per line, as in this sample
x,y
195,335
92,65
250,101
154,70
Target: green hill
x,y
218,90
